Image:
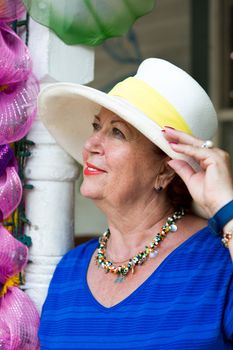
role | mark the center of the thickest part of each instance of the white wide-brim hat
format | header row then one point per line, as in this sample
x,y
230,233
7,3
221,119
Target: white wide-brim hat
x,y
160,94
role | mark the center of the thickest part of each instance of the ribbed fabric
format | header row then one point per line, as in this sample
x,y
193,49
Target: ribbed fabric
x,y
187,303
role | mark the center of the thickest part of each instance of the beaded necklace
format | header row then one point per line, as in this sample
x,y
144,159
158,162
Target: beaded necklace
x,y
150,251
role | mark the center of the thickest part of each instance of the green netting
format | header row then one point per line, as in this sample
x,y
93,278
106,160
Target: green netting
x,y
88,22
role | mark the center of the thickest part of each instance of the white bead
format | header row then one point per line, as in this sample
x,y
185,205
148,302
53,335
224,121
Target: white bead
x,y
173,228
154,254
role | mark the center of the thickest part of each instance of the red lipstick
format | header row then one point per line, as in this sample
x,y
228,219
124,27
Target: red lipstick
x,y
91,169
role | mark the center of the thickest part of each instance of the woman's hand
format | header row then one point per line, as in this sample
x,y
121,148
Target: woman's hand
x,y
211,187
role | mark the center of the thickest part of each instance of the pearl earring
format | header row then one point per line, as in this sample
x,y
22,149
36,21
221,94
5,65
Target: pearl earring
x,y
158,189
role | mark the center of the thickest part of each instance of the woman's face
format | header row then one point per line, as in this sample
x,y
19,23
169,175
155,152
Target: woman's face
x,y
119,162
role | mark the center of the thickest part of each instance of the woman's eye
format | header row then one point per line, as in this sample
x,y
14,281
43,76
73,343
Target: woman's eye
x,y
95,126
116,132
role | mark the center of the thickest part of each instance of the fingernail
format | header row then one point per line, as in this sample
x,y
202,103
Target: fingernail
x,y
173,142
169,127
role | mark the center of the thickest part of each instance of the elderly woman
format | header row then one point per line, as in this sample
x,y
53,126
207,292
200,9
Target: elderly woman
x,y
161,276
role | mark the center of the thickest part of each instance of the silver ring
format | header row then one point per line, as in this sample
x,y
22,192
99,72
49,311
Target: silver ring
x,y
207,144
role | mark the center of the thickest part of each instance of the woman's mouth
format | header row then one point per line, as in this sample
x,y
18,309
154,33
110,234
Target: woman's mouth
x,y
90,169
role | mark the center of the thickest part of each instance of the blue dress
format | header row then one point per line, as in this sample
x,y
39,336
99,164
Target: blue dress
x,y
186,303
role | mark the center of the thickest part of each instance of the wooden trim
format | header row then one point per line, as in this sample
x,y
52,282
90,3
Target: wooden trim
x,y
200,41
82,239
225,115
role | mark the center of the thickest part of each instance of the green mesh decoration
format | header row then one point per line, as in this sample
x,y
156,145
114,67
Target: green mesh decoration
x,y
88,22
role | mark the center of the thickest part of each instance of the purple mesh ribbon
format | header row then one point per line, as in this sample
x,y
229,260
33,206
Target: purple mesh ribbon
x,y
6,155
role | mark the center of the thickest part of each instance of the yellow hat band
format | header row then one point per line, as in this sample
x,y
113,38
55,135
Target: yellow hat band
x,y
150,102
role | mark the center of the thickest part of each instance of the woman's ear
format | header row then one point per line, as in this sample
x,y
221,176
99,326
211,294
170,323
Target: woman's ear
x,y
164,176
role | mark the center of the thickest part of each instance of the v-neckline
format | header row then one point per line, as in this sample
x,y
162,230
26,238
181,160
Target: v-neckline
x,y
164,262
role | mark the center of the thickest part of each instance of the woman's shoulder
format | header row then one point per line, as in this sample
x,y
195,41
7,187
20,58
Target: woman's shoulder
x,y
74,262
82,250
205,247
200,246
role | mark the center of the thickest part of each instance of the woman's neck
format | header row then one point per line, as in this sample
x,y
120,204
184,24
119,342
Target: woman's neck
x,y
134,226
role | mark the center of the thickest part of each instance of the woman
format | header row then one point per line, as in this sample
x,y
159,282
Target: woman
x,y
159,277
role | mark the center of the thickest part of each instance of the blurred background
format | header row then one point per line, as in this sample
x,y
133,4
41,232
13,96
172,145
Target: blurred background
x,y
196,35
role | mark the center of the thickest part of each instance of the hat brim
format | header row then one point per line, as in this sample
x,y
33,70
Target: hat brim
x,y
67,110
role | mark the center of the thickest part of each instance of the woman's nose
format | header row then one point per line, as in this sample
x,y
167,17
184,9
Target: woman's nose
x,y
94,144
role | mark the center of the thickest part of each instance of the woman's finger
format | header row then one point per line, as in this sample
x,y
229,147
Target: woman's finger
x,y
198,153
174,135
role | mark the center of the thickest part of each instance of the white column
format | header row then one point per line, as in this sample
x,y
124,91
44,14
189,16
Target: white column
x,y
52,172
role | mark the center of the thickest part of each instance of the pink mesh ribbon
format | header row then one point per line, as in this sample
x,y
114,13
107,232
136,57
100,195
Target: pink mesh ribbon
x,y
19,319
15,60
10,10
18,87
13,255
10,191
19,322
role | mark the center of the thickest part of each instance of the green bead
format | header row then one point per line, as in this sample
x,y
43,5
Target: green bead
x,y
170,220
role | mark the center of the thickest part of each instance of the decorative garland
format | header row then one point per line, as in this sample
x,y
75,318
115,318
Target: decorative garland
x,y
19,318
16,85
17,220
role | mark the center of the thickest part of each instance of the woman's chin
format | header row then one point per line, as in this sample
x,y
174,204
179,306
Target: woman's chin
x,y
91,193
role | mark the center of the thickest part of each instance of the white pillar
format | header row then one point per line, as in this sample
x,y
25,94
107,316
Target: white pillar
x,y
49,207
52,172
